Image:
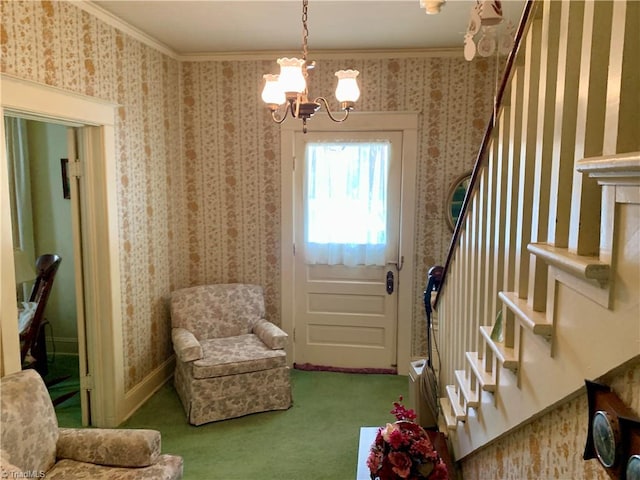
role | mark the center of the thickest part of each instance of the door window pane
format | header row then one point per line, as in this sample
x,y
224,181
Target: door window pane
x,y
346,202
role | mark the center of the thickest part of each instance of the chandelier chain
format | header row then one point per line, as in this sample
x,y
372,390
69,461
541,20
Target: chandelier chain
x,y
290,90
305,30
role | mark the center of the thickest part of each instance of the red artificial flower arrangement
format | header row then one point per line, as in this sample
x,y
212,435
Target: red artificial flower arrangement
x,y
402,450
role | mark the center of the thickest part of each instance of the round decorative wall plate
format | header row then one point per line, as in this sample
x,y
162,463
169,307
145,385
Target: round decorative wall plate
x,y
606,437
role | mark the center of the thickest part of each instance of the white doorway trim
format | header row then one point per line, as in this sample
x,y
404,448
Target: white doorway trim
x,y
407,122
100,233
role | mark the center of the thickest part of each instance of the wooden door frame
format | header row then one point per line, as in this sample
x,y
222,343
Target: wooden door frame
x,y
407,123
102,273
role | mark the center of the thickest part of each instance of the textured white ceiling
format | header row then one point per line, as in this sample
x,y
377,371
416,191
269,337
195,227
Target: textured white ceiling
x,y
213,26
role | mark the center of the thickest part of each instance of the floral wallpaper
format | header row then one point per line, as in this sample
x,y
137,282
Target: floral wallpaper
x,y
198,158
232,179
552,445
58,44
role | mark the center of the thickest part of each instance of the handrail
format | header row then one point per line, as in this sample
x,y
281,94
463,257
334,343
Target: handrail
x,y
479,164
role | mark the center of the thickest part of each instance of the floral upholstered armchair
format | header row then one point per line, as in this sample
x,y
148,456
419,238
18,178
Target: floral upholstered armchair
x,y
230,361
34,447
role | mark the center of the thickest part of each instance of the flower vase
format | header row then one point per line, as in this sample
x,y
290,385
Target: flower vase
x,y
403,450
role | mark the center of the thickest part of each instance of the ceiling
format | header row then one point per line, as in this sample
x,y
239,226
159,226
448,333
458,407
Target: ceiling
x,y
215,26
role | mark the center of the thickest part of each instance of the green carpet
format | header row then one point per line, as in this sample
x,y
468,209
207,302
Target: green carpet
x,y
316,439
68,412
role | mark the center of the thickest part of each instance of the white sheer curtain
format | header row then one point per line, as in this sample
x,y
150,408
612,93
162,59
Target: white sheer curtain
x,y
20,188
346,203
19,182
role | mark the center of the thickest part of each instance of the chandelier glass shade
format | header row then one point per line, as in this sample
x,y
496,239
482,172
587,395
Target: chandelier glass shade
x,y
287,92
485,19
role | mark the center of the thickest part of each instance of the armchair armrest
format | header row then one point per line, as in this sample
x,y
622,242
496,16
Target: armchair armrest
x,y
112,447
186,345
273,336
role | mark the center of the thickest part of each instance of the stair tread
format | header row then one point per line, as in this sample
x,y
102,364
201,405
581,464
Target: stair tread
x,y
533,320
587,267
452,395
464,383
506,355
477,367
449,419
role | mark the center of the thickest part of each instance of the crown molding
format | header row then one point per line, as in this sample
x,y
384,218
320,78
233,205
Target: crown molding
x,y
325,54
112,20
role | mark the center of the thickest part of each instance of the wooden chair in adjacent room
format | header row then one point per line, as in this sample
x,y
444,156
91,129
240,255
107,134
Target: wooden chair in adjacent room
x,y
33,351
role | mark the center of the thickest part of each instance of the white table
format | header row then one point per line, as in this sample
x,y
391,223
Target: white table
x,y
367,436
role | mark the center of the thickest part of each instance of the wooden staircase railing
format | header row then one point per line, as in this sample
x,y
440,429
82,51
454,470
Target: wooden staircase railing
x,y
530,223
480,162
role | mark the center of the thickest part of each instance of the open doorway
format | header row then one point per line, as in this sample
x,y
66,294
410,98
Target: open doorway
x,y
41,217
100,329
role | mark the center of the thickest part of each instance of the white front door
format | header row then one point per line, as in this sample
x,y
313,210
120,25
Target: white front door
x,y
346,236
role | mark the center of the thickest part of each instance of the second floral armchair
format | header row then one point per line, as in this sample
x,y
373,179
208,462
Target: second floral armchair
x,y
230,361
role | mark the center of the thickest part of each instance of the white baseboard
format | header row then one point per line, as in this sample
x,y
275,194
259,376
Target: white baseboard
x,y
138,395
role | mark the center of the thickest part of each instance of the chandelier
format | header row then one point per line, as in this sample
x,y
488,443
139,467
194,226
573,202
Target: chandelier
x,y
288,92
486,16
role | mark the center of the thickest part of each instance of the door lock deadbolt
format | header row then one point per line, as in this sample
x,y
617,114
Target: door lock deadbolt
x,y
389,282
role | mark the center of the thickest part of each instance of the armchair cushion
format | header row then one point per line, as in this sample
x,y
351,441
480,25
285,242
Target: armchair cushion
x,y
116,447
211,311
186,345
231,356
272,335
168,467
29,423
